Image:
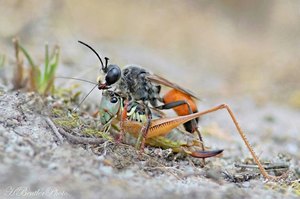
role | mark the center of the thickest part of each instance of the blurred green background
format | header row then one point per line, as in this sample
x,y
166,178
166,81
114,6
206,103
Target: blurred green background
x,y
218,49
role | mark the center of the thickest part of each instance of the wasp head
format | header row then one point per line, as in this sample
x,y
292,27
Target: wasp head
x,y
112,72
112,75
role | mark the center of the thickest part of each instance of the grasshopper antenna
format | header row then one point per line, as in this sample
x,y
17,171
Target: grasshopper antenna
x,y
83,80
74,78
104,68
75,109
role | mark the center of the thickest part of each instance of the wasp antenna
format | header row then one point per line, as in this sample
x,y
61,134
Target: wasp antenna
x,y
74,78
103,67
75,109
106,62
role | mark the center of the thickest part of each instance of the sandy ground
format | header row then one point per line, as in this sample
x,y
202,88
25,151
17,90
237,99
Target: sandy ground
x,y
35,164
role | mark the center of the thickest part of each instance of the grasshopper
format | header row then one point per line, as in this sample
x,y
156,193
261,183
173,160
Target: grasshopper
x,y
163,131
163,134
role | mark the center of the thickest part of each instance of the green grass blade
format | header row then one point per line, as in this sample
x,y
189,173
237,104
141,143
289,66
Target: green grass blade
x,y
54,63
31,63
49,84
46,63
52,60
42,81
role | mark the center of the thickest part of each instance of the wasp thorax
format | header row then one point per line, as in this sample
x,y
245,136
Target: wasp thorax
x,y
113,74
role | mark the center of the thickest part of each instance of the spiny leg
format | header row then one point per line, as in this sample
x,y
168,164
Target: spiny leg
x,y
194,122
172,105
242,134
123,118
145,128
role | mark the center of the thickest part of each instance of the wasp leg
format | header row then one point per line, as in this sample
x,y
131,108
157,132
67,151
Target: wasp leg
x,y
193,122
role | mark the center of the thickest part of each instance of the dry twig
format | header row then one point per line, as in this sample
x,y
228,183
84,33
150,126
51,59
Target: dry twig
x,y
80,140
273,166
55,130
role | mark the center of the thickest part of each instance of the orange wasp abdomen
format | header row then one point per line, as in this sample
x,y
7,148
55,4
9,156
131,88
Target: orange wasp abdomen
x,y
176,95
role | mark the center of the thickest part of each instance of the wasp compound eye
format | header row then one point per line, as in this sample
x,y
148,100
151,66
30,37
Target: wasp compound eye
x,y
113,74
114,100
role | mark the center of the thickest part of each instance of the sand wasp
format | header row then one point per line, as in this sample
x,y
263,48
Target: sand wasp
x,y
137,84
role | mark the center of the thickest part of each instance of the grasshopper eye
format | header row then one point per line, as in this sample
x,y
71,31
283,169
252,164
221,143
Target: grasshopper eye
x,y
114,100
113,74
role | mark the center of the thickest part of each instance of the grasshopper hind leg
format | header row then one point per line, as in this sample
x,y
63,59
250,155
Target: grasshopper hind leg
x,y
190,126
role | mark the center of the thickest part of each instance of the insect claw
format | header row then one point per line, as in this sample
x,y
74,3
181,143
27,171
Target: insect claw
x,y
102,86
143,145
206,154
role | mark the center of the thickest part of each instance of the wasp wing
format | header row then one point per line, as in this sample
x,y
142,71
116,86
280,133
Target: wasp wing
x,y
160,80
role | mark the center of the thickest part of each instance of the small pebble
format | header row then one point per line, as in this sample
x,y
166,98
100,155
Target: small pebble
x,y
246,184
146,151
12,122
127,174
52,166
106,170
158,152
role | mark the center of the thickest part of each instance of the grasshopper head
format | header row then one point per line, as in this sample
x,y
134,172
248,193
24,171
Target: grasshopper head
x,y
109,106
